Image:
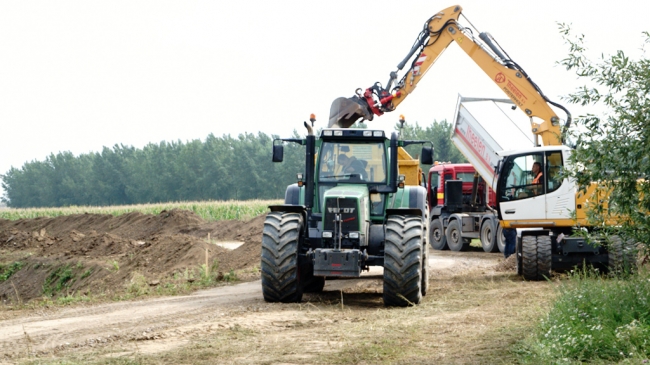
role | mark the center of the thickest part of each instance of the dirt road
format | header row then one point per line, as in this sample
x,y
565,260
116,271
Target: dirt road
x,y
473,312
163,324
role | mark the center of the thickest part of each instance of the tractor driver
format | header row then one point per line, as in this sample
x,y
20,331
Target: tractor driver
x,y
350,165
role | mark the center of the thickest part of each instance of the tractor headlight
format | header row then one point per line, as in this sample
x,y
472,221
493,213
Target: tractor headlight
x,y
327,234
353,235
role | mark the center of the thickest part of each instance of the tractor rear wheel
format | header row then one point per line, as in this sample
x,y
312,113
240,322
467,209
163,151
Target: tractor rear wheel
x,y
315,284
281,277
403,261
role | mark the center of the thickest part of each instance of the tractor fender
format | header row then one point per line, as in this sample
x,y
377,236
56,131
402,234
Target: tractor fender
x,y
292,195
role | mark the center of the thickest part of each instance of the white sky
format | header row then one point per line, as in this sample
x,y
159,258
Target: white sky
x,y
79,75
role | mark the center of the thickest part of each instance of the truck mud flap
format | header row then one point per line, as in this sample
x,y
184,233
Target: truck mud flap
x,y
329,262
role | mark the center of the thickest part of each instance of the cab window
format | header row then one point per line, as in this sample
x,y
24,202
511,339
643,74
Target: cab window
x,y
524,177
554,166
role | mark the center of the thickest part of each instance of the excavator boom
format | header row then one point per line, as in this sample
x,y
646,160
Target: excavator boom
x,y
439,31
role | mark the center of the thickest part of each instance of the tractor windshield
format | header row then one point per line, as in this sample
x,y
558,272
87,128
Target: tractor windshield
x,y
353,162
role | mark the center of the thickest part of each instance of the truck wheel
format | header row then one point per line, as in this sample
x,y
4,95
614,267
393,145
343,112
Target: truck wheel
x,y
501,239
403,261
455,240
621,254
425,270
536,258
437,236
488,238
281,279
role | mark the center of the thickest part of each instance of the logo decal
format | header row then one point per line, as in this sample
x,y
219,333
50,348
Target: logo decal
x,y
500,78
340,210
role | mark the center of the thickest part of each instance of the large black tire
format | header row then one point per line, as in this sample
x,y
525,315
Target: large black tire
x,y
519,257
622,255
437,237
488,236
315,285
501,239
280,244
536,258
425,270
403,261
455,239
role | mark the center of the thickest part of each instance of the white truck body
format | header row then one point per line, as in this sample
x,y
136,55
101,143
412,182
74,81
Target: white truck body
x,y
500,128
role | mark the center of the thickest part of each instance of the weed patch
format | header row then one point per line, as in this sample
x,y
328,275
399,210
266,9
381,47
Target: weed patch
x,y
594,319
7,270
59,279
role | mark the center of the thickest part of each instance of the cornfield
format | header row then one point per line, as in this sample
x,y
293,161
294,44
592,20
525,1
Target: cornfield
x,y
208,210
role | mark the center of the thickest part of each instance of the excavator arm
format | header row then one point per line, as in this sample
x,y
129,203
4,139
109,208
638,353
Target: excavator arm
x,y
439,31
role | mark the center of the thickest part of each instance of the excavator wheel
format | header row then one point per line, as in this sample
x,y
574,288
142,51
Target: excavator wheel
x,y
622,255
536,257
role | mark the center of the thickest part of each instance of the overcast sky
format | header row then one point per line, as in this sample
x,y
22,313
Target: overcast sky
x,y
79,75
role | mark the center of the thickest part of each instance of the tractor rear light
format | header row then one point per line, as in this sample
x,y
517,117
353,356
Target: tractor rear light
x,y
353,235
327,234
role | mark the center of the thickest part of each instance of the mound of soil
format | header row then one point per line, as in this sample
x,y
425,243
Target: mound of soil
x,y
96,252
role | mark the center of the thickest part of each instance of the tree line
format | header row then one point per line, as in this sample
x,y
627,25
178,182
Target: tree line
x,y
217,168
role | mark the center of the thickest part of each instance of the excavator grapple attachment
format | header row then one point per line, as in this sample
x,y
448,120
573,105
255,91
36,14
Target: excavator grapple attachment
x,y
346,111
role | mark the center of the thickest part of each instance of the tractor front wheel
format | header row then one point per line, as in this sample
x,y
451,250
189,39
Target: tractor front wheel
x,y
403,261
281,277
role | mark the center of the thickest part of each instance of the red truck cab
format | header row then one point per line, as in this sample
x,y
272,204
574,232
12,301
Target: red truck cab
x,y
443,171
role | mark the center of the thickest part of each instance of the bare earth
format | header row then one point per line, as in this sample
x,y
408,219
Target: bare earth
x,y
476,307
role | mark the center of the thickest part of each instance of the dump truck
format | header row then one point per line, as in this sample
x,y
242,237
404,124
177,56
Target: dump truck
x,y
456,191
465,202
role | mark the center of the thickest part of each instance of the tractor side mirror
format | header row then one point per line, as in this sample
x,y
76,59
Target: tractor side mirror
x,y
426,156
278,153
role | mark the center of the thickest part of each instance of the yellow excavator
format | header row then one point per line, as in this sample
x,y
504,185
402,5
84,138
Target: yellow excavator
x,y
549,206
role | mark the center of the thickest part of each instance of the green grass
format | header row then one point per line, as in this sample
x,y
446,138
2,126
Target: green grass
x,y
58,280
7,270
595,319
208,210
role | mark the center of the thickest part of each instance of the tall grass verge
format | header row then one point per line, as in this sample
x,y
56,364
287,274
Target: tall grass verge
x,y
595,319
208,210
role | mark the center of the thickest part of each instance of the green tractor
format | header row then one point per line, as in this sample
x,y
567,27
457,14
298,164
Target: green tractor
x,y
350,210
